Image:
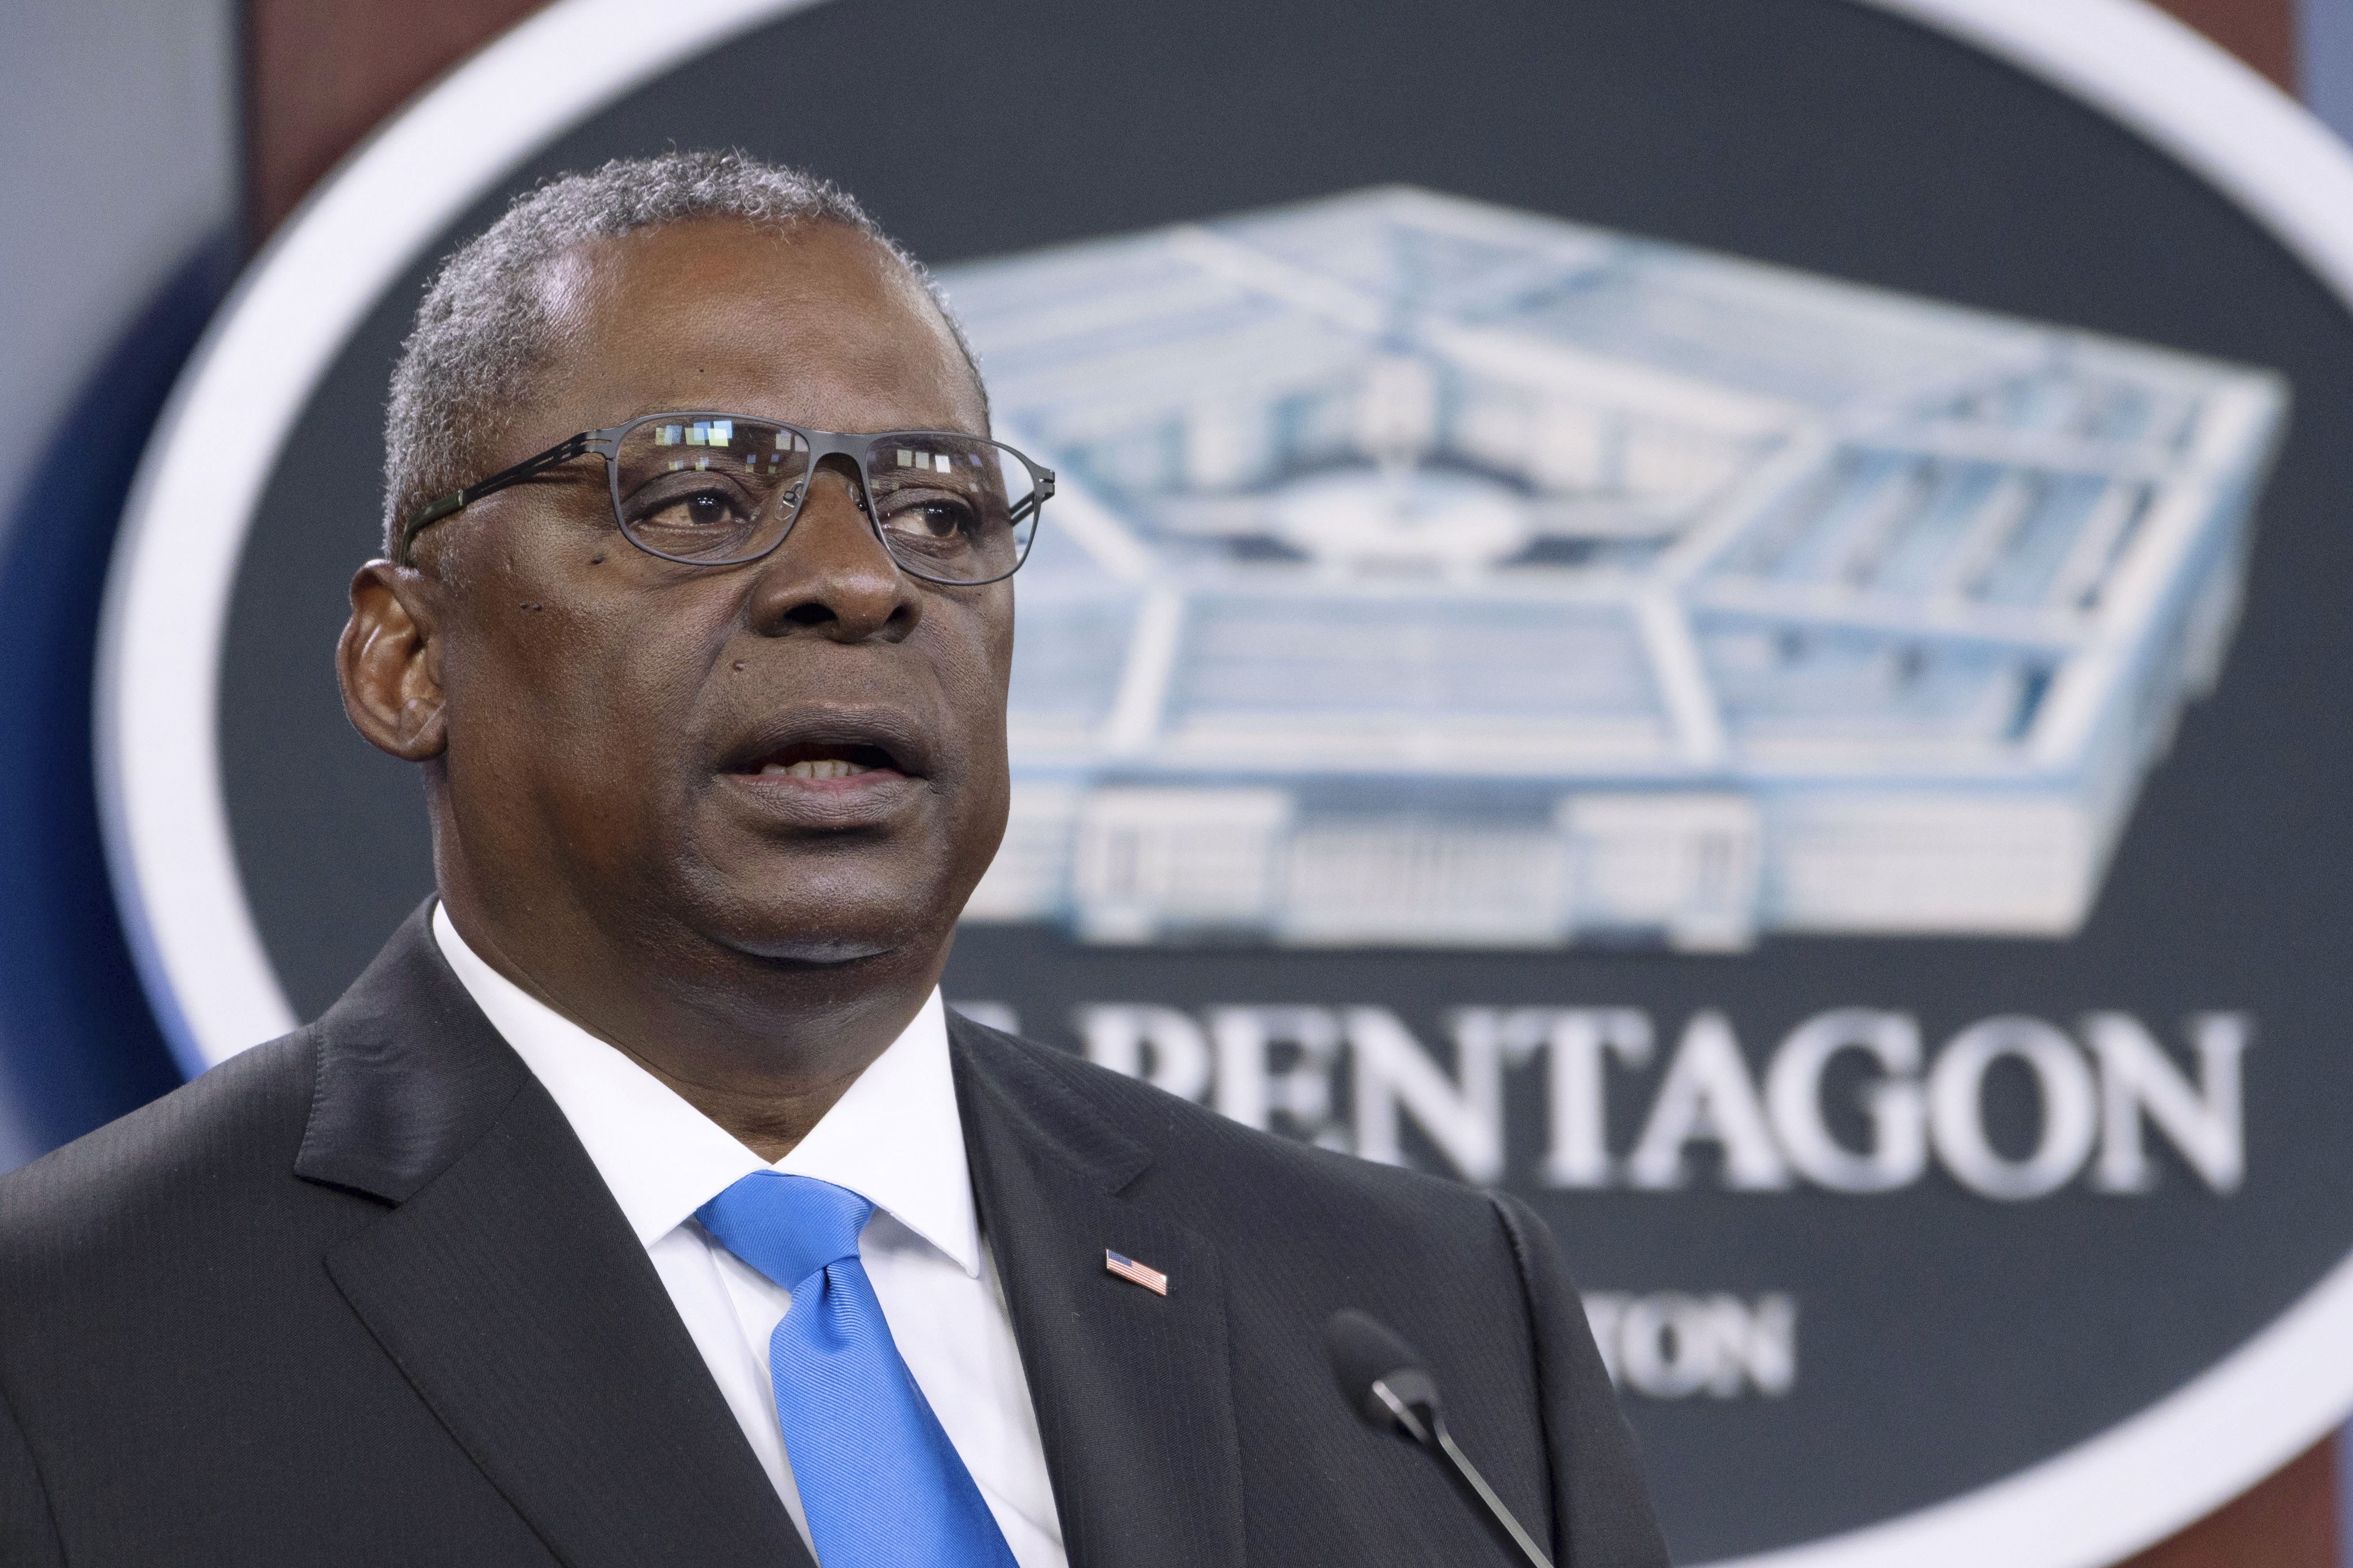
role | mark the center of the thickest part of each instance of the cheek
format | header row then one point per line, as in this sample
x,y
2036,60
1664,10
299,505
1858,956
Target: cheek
x,y
993,671
586,705
632,693
982,674
990,629
1000,656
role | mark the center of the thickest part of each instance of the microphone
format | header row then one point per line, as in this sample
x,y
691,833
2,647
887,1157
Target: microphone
x,y
1384,1379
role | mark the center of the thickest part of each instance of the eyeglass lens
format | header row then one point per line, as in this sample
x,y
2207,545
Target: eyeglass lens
x,y
949,508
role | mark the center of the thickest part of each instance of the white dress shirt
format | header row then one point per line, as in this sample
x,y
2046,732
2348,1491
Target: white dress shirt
x,y
894,1139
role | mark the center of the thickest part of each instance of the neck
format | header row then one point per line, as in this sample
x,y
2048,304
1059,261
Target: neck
x,y
762,1048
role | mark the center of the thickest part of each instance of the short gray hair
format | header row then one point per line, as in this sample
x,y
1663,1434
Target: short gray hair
x,y
484,325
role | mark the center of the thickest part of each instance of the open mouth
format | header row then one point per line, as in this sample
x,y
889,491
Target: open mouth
x,y
823,761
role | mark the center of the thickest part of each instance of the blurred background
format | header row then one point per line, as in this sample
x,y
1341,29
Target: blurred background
x,y
155,149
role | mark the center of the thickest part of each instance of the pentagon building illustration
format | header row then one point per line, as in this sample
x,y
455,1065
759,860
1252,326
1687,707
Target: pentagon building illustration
x,y
1427,573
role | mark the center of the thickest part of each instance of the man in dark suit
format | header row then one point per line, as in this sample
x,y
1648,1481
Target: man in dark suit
x,y
641,1204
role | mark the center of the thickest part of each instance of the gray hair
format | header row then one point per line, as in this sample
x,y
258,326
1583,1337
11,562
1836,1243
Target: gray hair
x,y
484,325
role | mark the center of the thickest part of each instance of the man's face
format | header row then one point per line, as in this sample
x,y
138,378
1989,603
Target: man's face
x,y
635,738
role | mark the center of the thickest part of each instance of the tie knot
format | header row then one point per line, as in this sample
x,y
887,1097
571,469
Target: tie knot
x,y
788,1227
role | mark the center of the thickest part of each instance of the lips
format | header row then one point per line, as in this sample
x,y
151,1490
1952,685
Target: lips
x,y
819,768
828,772
831,747
822,761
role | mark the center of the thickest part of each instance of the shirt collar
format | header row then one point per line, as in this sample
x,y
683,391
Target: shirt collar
x,y
893,1137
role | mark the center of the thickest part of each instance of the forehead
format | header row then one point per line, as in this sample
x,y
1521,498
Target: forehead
x,y
817,324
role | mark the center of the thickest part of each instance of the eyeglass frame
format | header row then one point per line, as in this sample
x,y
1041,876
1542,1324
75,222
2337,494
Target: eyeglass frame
x,y
822,444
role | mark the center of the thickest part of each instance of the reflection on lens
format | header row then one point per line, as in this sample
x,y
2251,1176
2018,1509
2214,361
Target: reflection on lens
x,y
955,509
708,490
716,490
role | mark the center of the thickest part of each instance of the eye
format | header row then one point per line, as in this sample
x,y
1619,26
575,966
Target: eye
x,y
701,510
930,521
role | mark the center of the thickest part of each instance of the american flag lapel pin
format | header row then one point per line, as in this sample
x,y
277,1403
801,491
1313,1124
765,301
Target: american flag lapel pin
x,y
1135,1273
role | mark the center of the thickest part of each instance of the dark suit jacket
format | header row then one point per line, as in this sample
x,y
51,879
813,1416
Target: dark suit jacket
x,y
359,1296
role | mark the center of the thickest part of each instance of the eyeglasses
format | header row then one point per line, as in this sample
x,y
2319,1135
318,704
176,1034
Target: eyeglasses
x,y
718,489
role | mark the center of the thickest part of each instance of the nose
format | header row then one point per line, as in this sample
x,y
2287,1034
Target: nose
x,y
832,575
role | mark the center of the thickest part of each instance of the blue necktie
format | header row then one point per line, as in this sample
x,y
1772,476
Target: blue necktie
x,y
880,1486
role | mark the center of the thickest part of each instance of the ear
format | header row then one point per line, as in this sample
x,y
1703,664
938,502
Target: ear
x,y
389,663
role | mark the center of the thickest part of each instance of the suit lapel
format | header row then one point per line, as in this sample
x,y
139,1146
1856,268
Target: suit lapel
x,y
509,1289
1133,1390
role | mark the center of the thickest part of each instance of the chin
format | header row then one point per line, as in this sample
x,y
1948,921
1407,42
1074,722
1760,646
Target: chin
x,y
814,949
831,934
841,905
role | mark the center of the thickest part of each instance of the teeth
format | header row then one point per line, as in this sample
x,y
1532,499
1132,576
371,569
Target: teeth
x,y
819,768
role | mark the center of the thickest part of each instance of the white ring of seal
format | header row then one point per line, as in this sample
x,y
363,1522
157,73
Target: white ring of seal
x,y
167,833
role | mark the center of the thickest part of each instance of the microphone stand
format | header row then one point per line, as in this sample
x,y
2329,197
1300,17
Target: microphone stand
x,y
1433,1436
1384,1379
